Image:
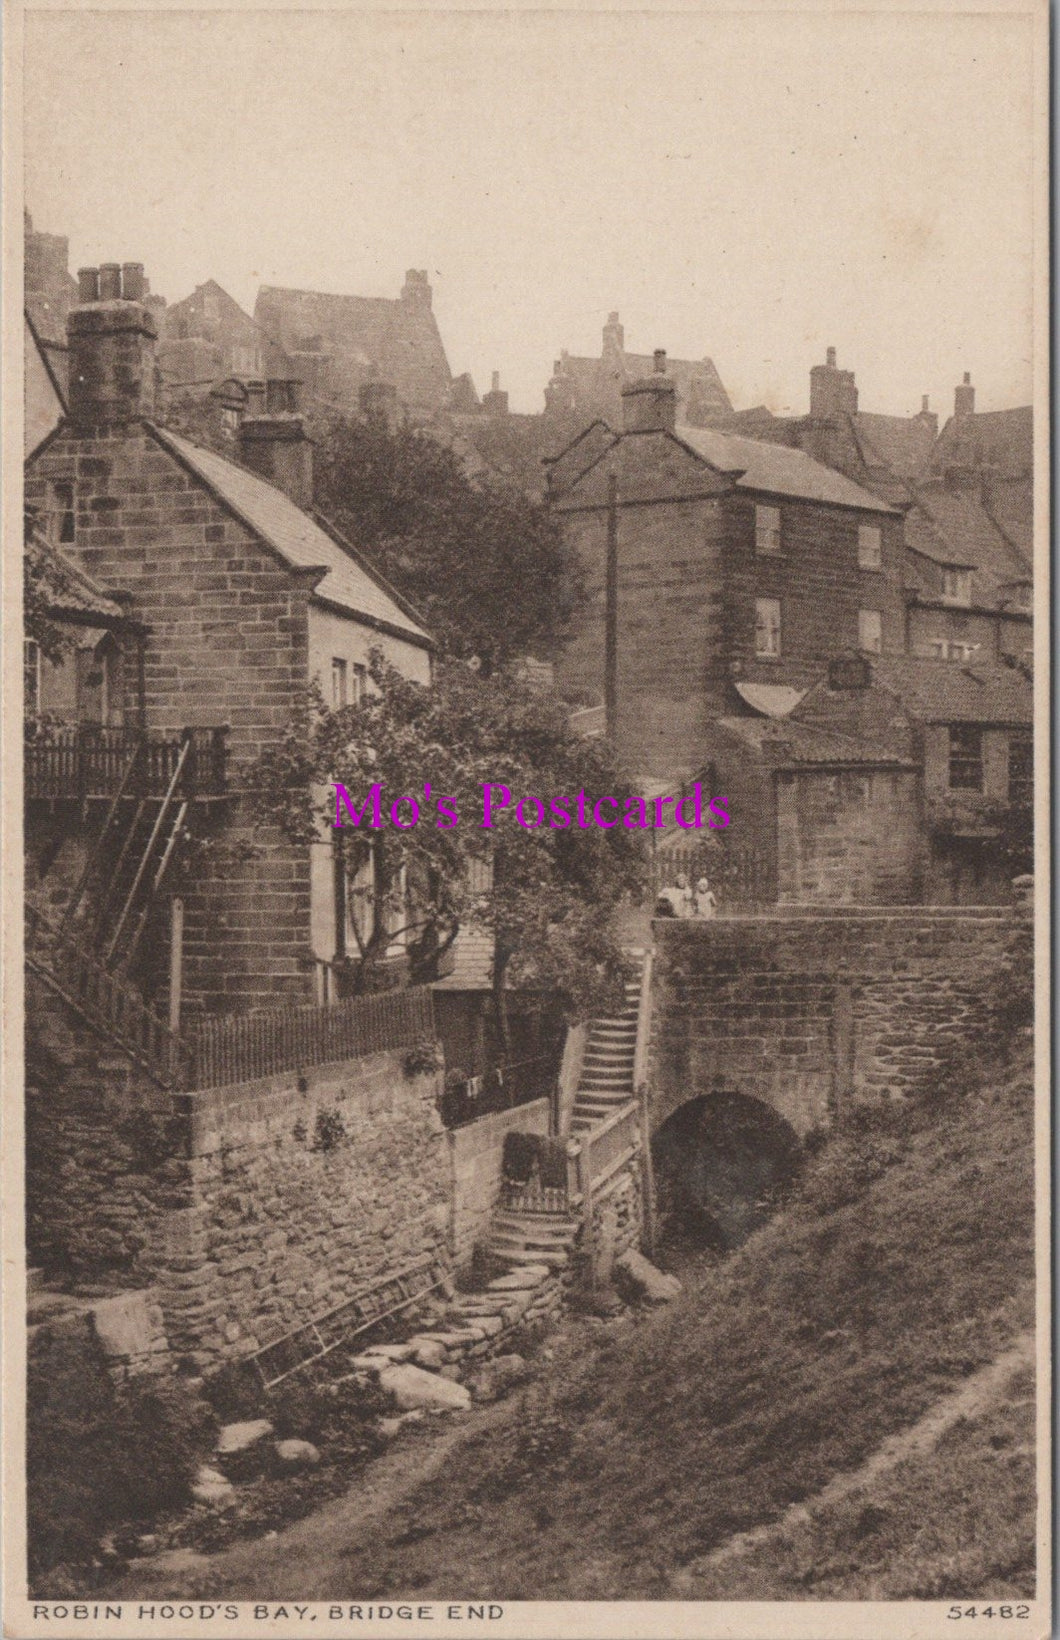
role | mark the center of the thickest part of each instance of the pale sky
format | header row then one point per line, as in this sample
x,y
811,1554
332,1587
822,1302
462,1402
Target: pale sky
x,y
752,187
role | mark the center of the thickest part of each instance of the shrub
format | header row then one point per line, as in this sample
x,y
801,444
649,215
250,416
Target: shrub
x,y
97,1454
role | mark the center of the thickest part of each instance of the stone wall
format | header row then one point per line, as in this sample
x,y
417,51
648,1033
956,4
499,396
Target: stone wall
x,y
105,1156
476,1155
807,1008
305,1190
849,837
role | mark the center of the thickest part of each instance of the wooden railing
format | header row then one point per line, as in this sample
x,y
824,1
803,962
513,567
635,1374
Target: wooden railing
x,y
241,1047
739,874
594,1156
105,1001
89,760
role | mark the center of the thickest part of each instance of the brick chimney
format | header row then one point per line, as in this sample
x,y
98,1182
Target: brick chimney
x,y
273,442
614,338
964,398
416,290
927,415
832,392
111,336
650,404
495,402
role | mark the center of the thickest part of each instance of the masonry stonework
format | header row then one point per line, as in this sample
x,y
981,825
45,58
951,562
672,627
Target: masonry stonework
x,y
806,1009
476,1158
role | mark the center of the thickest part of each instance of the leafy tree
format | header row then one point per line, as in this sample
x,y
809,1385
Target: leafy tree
x,y
550,897
484,564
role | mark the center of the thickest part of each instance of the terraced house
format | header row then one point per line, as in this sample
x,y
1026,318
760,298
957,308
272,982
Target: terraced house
x,y
235,597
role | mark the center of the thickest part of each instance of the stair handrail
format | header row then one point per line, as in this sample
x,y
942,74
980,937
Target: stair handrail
x,y
641,1094
163,811
96,852
643,1038
107,1002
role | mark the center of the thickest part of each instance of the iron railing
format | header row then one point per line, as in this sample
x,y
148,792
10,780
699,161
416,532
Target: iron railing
x,y
90,760
739,874
242,1047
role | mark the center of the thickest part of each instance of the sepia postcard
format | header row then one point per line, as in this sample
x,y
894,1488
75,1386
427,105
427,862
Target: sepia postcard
x,y
525,968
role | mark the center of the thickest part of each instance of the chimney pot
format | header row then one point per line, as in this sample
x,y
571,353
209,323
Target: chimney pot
x,y
133,283
660,361
255,397
964,397
967,377
110,281
829,358
495,381
925,404
88,284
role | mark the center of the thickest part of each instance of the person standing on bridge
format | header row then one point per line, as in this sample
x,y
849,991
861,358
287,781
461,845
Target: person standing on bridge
x,y
706,899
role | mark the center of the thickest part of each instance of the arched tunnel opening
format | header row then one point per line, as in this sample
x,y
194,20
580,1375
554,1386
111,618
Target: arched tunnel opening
x,y
722,1163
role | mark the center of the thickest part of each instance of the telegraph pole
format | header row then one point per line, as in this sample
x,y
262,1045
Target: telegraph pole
x,y
611,611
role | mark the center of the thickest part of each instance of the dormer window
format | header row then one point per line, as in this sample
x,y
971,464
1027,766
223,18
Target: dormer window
x,y
957,586
870,546
767,529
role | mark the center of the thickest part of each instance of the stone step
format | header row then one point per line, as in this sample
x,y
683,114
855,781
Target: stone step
x,y
604,1075
531,1237
532,1255
607,1059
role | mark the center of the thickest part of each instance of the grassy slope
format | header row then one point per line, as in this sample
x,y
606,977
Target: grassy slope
x,y
835,1326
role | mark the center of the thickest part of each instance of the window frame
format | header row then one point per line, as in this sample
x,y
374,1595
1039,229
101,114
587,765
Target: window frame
x,y
340,679
870,649
777,628
1021,789
967,759
962,580
870,558
771,532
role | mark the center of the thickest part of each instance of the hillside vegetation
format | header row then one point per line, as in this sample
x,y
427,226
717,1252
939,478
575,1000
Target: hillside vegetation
x,y
904,1266
877,1299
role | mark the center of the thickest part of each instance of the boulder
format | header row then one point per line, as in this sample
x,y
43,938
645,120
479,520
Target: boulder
x,y
644,1280
390,1352
292,1456
429,1352
412,1387
241,1437
210,1486
498,1377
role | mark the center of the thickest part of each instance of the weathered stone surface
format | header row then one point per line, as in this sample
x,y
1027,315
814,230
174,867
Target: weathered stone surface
x,y
428,1352
496,1378
390,1352
412,1387
644,1279
292,1455
529,1275
240,1437
210,1486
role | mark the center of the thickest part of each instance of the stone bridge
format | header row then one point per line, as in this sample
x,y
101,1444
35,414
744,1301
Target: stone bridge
x,y
804,1009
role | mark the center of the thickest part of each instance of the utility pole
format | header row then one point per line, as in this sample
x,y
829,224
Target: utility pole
x,y
611,611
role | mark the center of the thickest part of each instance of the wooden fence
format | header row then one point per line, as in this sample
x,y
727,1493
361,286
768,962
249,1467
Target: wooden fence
x,y
605,1148
106,1001
240,1047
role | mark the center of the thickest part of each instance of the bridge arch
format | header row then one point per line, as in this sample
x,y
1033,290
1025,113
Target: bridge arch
x,y
722,1160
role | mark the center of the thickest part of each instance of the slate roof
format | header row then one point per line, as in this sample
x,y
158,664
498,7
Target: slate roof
x,y
796,744
902,444
953,526
1003,439
777,470
299,539
942,692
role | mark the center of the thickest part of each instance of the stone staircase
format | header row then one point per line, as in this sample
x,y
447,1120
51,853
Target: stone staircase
x,y
523,1238
606,1082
